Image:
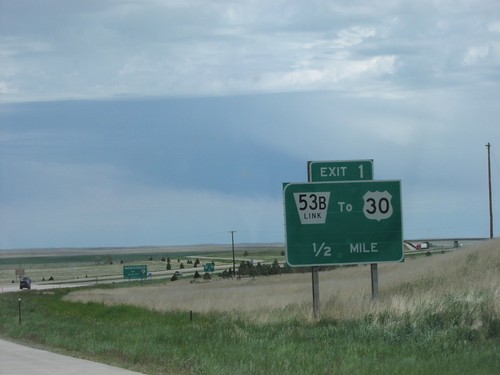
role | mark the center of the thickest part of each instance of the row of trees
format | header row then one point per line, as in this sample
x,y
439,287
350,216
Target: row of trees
x,y
247,268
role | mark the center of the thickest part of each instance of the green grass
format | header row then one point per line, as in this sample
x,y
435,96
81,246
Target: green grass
x,y
460,335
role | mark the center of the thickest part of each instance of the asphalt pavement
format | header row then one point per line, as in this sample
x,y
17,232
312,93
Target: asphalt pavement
x,y
17,359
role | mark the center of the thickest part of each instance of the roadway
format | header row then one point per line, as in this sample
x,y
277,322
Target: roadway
x,y
17,359
92,281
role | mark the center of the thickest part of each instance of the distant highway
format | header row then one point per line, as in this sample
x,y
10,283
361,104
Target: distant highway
x,y
75,283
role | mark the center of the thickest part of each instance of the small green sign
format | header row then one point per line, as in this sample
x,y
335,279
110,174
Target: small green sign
x,y
208,267
332,223
346,170
135,272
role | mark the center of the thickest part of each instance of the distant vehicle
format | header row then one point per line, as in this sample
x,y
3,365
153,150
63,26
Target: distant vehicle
x,y
178,273
25,283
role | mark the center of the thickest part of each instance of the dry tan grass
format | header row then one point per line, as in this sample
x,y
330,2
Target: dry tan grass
x,y
345,293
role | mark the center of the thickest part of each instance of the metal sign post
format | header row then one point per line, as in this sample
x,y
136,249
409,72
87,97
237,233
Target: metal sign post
x,y
374,277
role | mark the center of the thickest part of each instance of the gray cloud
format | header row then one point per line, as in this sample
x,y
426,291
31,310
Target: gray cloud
x,y
217,103
114,48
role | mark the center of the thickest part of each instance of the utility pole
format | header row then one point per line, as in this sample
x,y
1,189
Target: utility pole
x,y
232,244
488,146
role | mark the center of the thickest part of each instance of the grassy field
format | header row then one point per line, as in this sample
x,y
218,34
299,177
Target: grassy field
x,y
437,315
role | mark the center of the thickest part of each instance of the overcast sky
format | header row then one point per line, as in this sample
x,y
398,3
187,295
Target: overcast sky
x,y
155,122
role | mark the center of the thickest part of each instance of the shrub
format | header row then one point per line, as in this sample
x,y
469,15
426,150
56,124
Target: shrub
x,y
225,274
275,268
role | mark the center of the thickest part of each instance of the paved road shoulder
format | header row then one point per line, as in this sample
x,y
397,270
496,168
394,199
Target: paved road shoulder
x,y
17,359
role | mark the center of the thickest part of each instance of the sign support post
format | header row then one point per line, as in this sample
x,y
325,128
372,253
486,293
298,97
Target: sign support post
x,y
374,277
315,291
314,270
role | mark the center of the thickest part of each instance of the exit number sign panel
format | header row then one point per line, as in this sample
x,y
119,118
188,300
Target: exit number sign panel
x,y
336,171
333,223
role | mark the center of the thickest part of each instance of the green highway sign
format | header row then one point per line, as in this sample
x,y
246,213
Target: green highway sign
x,y
208,267
347,170
333,223
135,272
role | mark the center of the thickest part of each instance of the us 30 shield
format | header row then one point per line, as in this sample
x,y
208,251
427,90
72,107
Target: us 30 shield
x,y
378,205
